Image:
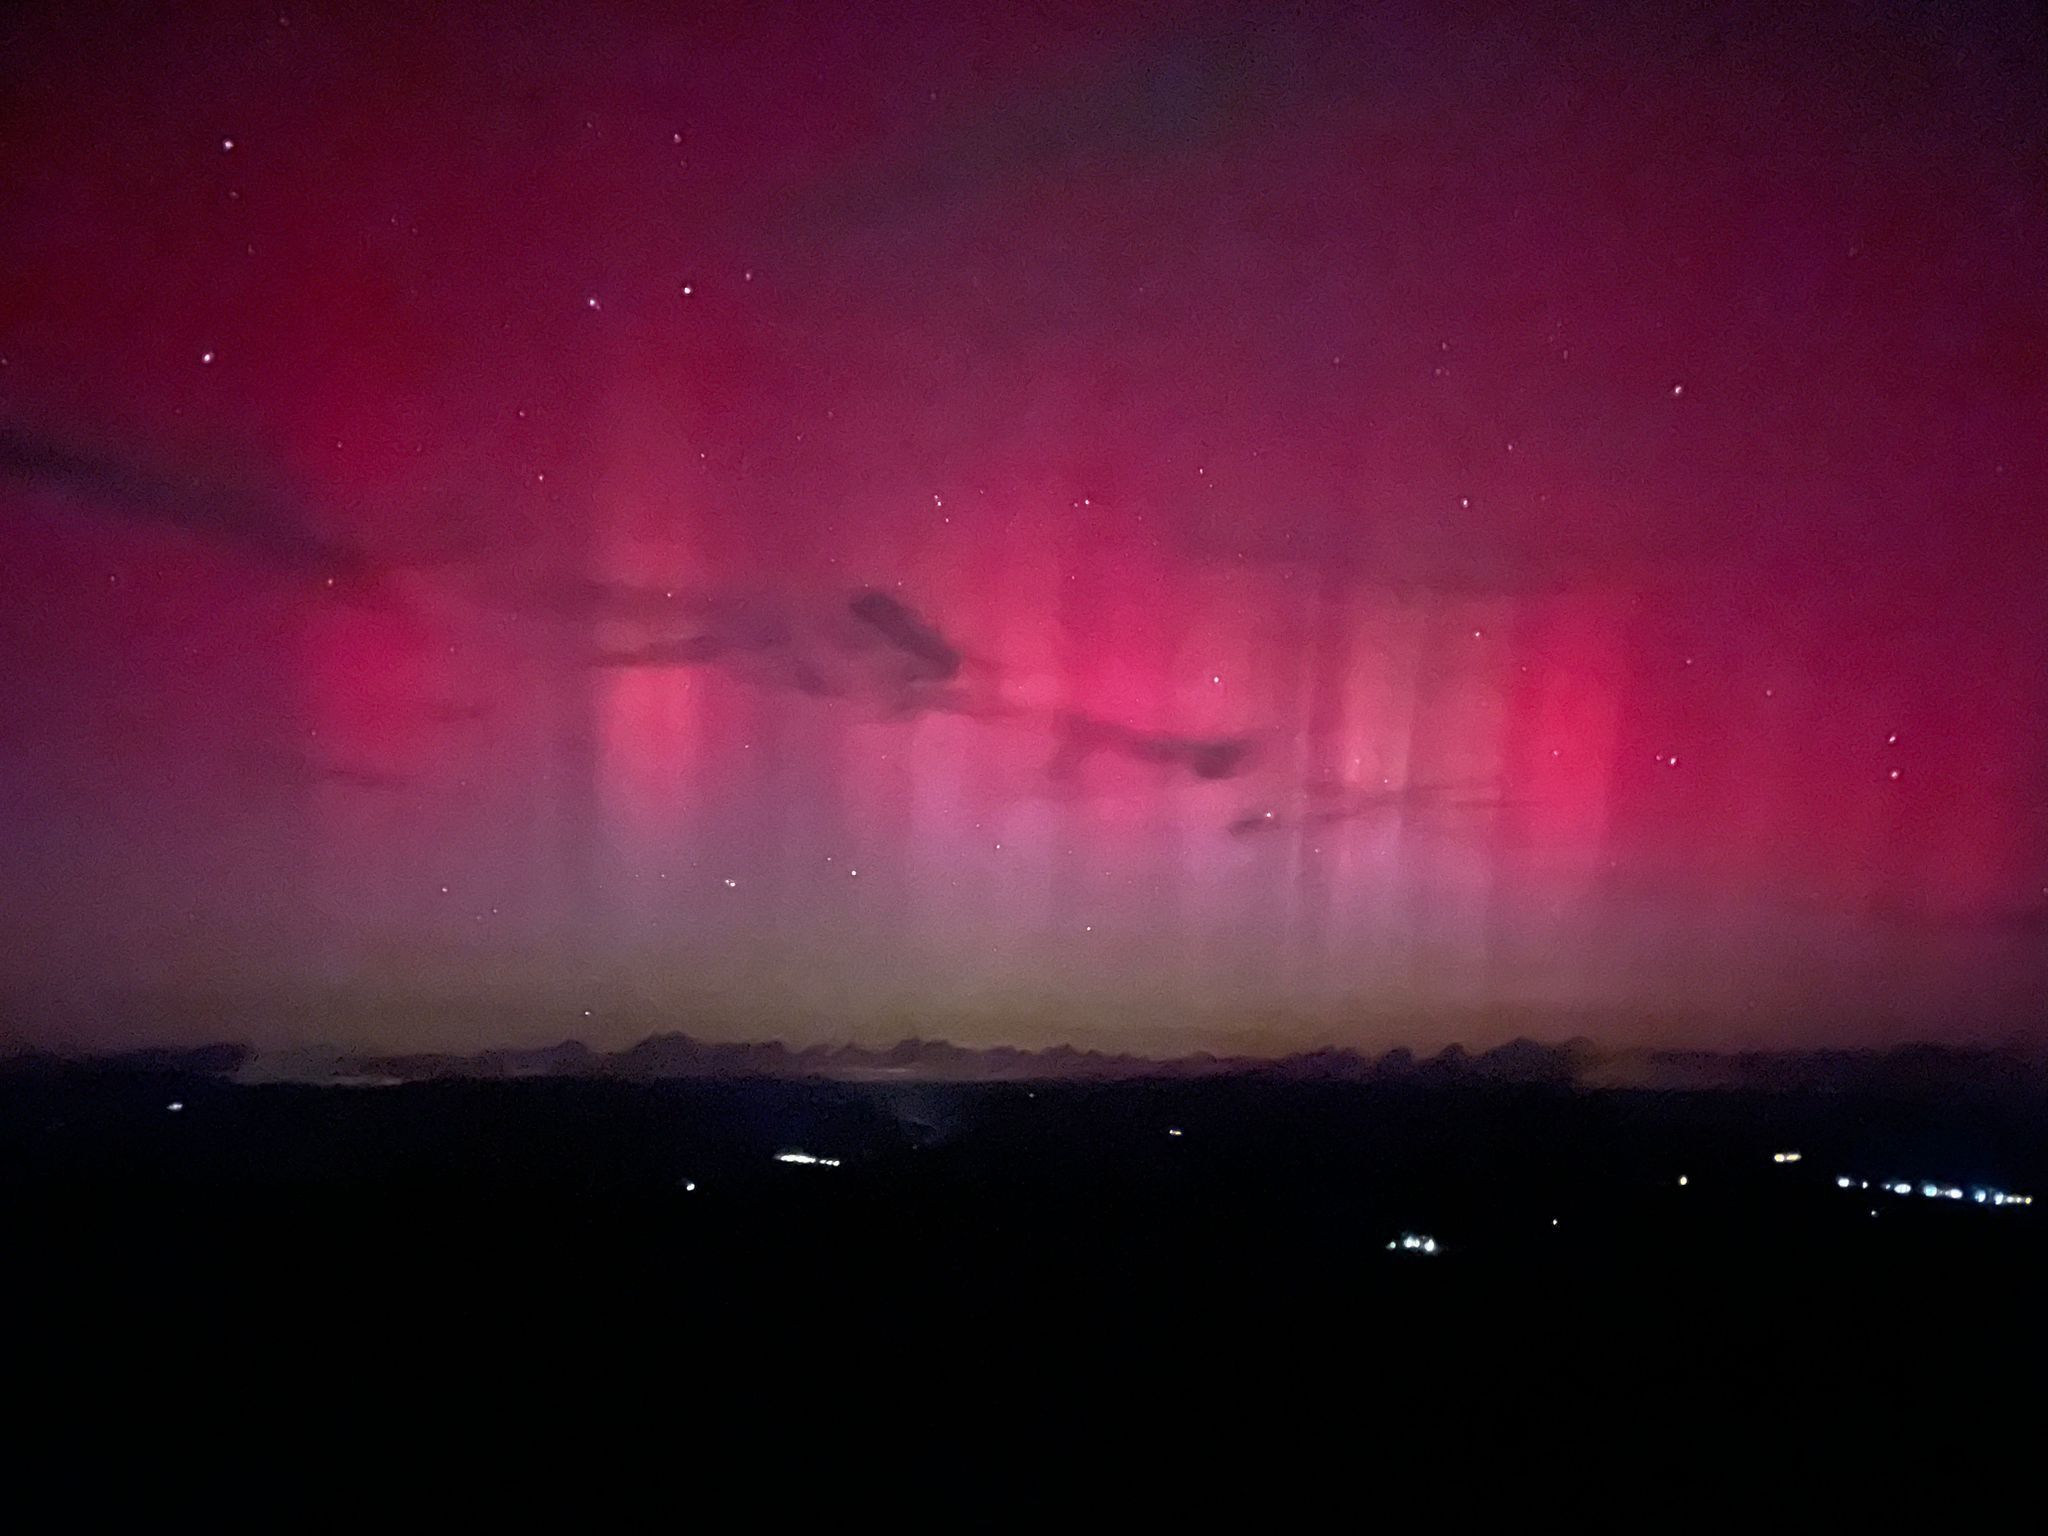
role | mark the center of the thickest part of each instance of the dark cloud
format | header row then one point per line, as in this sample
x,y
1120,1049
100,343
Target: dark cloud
x,y
1206,757
876,649
749,637
932,658
263,527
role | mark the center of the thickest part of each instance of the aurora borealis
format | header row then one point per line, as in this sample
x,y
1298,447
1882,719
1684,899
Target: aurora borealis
x,y
1175,528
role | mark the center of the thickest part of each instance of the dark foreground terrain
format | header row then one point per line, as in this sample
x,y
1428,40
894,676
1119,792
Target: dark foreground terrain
x,y
1186,1261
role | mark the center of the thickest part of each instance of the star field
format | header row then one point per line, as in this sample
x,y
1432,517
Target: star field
x,y
1222,529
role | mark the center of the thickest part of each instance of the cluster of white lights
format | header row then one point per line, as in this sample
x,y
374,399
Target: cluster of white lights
x,y
806,1159
1786,1157
1939,1192
1173,1130
1412,1243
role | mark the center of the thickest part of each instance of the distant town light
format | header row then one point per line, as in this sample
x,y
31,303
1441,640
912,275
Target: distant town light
x,y
1940,1192
806,1159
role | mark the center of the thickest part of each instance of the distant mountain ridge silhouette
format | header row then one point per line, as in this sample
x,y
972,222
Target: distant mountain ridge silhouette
x,y
1575,1063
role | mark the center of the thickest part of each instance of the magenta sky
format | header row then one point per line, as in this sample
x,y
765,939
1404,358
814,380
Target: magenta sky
x,y
1442,520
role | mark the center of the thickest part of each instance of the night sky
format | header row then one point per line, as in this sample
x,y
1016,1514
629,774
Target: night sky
x,y
1169,528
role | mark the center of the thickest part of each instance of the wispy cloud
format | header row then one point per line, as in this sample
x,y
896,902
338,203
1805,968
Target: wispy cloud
x,y
1990,920
1206,757
1193,83
263,527
874,648
1330,802
930,656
